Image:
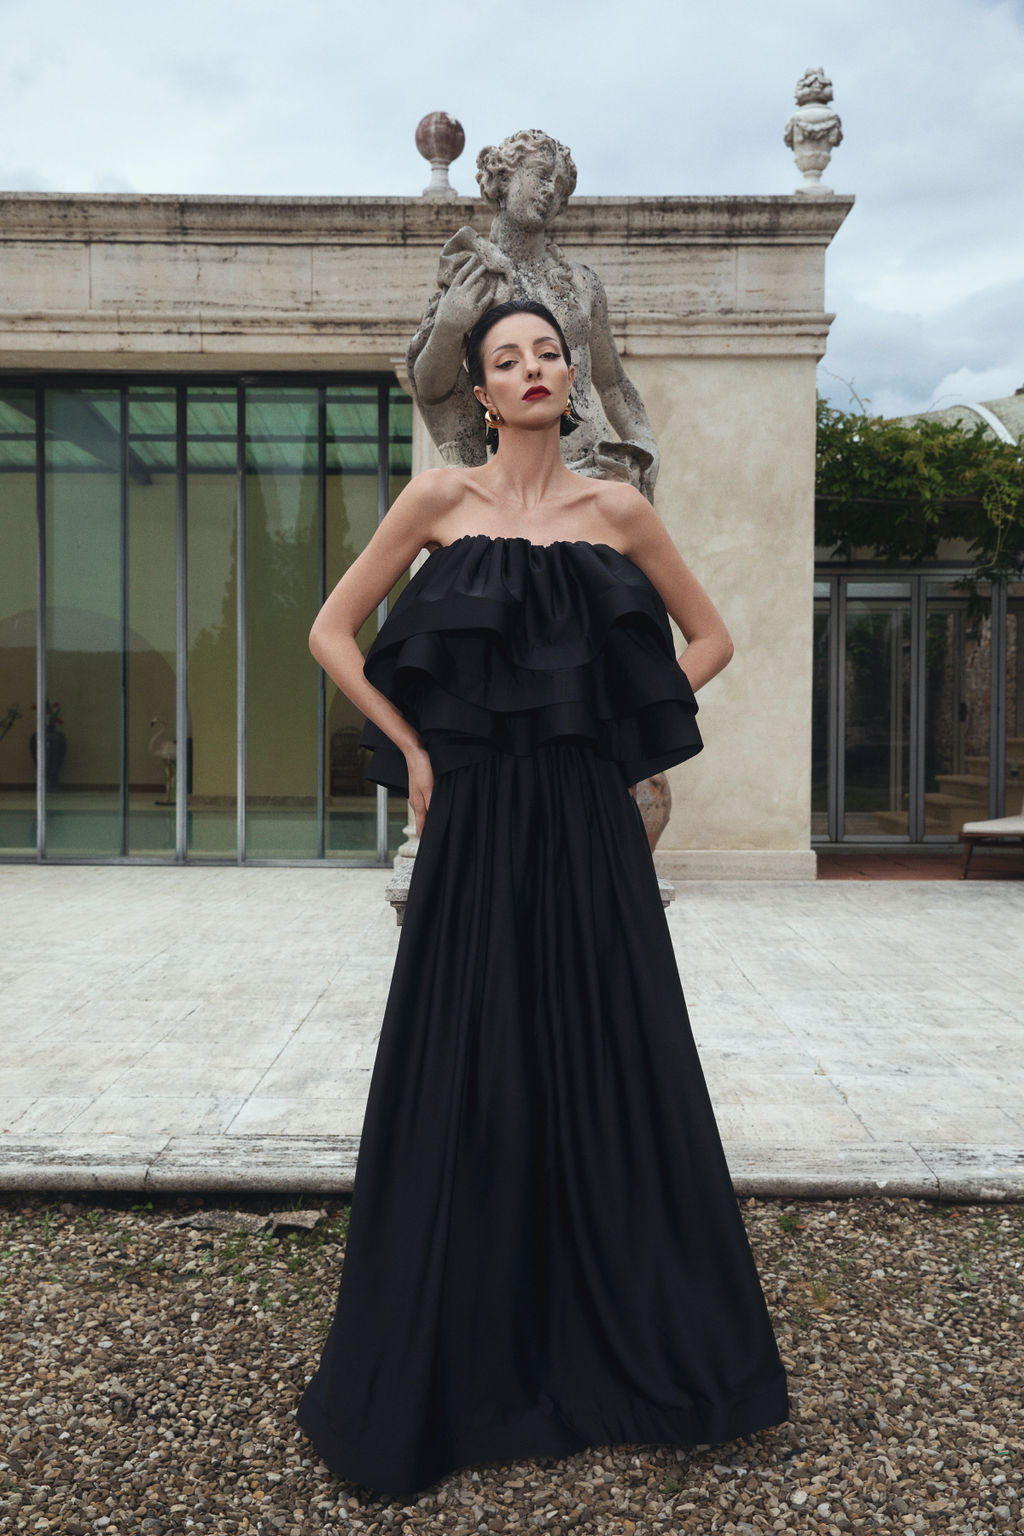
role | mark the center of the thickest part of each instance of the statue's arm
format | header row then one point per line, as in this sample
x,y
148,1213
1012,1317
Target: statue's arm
x,y
619,396
436,353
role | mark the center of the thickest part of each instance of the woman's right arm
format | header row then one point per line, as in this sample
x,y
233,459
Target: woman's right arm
x,y
395,544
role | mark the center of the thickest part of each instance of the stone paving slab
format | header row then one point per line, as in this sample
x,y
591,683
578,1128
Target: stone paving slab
x,y
215,1028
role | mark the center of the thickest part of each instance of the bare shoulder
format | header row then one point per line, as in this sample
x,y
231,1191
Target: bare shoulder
x,y
635,523
439,488
428,496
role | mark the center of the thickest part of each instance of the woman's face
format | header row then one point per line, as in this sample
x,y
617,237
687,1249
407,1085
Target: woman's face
x,y
526,378
532,194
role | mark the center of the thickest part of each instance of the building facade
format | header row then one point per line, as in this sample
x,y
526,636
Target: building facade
x,y
202,419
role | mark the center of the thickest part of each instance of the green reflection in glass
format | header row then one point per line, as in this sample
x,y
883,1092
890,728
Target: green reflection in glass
x,y
83,623
151,629
351,517
281,561
211,498
17,620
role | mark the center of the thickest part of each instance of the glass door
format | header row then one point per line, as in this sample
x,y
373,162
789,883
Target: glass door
x,y
1014,691
876,683
918,706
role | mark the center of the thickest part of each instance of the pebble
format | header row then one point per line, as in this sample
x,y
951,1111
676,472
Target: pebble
x,y
151,1368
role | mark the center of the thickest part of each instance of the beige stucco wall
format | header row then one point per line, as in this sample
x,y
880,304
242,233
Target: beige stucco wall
x,y
735,493
717,305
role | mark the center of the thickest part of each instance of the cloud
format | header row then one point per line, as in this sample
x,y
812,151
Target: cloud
x,y
898,362
657,98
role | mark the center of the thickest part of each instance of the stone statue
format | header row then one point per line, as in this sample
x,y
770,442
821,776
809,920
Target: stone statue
x,y
814,130
529,177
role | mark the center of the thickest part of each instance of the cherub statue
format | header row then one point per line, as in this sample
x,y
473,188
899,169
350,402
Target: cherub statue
x,y
529,177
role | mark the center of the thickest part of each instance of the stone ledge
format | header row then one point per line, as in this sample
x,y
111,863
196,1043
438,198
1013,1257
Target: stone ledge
x,y
135,218
326,1164
682,864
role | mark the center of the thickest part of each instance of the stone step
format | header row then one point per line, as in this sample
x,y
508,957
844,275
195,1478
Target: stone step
x,y
947,813
969,786
939,798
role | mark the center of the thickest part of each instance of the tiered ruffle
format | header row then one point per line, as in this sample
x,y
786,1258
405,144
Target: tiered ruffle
x,y
501,645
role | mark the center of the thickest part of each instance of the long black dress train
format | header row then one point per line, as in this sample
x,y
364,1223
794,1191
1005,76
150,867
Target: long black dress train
x,y
544,1249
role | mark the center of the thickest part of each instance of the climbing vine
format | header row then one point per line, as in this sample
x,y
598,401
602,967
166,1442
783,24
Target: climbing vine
x,y
900,488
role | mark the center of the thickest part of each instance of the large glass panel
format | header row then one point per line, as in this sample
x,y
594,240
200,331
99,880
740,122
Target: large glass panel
x,y
212,496
83,623
877,688
281,574
352,496
820,766
1015,699
958,678
120,511
150,663
17,620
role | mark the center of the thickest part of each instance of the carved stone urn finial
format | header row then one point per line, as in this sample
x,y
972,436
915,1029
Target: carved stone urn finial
x,y
440,139
814,130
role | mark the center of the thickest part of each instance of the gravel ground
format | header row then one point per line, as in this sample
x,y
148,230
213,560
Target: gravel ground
x,y
151,1367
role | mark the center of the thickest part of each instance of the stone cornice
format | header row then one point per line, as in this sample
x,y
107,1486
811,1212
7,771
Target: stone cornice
x,y
108,280
413,221
228,340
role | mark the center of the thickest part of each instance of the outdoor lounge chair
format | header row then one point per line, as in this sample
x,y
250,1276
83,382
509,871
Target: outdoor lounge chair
x,y
1002,829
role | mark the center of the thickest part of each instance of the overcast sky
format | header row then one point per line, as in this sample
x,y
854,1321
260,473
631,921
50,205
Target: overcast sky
x,y
654,97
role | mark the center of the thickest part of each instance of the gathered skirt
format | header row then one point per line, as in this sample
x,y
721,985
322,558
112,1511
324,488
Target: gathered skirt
x,y
544,1250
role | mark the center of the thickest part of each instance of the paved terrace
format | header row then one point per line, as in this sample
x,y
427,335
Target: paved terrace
x,y
185,1029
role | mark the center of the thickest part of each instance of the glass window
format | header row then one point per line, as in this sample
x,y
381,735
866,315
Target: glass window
x,y
84,636
1015,699
18,621
281,596
211,422
958,677
191,531
151,630
877,706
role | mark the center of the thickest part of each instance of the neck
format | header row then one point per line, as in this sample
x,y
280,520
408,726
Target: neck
x,y
528,467
522,245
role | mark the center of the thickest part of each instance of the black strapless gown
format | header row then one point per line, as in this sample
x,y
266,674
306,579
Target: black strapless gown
x,y
545,1251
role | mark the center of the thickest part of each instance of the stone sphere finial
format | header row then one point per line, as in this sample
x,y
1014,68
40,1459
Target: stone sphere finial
x,y
814,130
440,139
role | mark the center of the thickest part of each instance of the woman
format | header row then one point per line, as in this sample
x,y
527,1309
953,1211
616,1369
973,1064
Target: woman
x,y
544,1250
528,178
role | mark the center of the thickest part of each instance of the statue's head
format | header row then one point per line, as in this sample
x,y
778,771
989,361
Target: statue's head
x,y
530,175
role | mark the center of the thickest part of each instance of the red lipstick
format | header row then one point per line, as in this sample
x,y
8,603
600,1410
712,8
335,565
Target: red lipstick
x,y
536,392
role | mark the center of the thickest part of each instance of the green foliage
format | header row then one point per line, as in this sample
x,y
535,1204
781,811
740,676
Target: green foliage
x,y
899,488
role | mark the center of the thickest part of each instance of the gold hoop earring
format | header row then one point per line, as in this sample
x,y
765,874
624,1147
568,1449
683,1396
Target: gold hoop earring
x,y
492,418
568,409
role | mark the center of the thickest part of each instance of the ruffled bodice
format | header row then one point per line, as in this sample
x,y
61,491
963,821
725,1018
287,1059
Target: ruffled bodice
x,y
501,645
